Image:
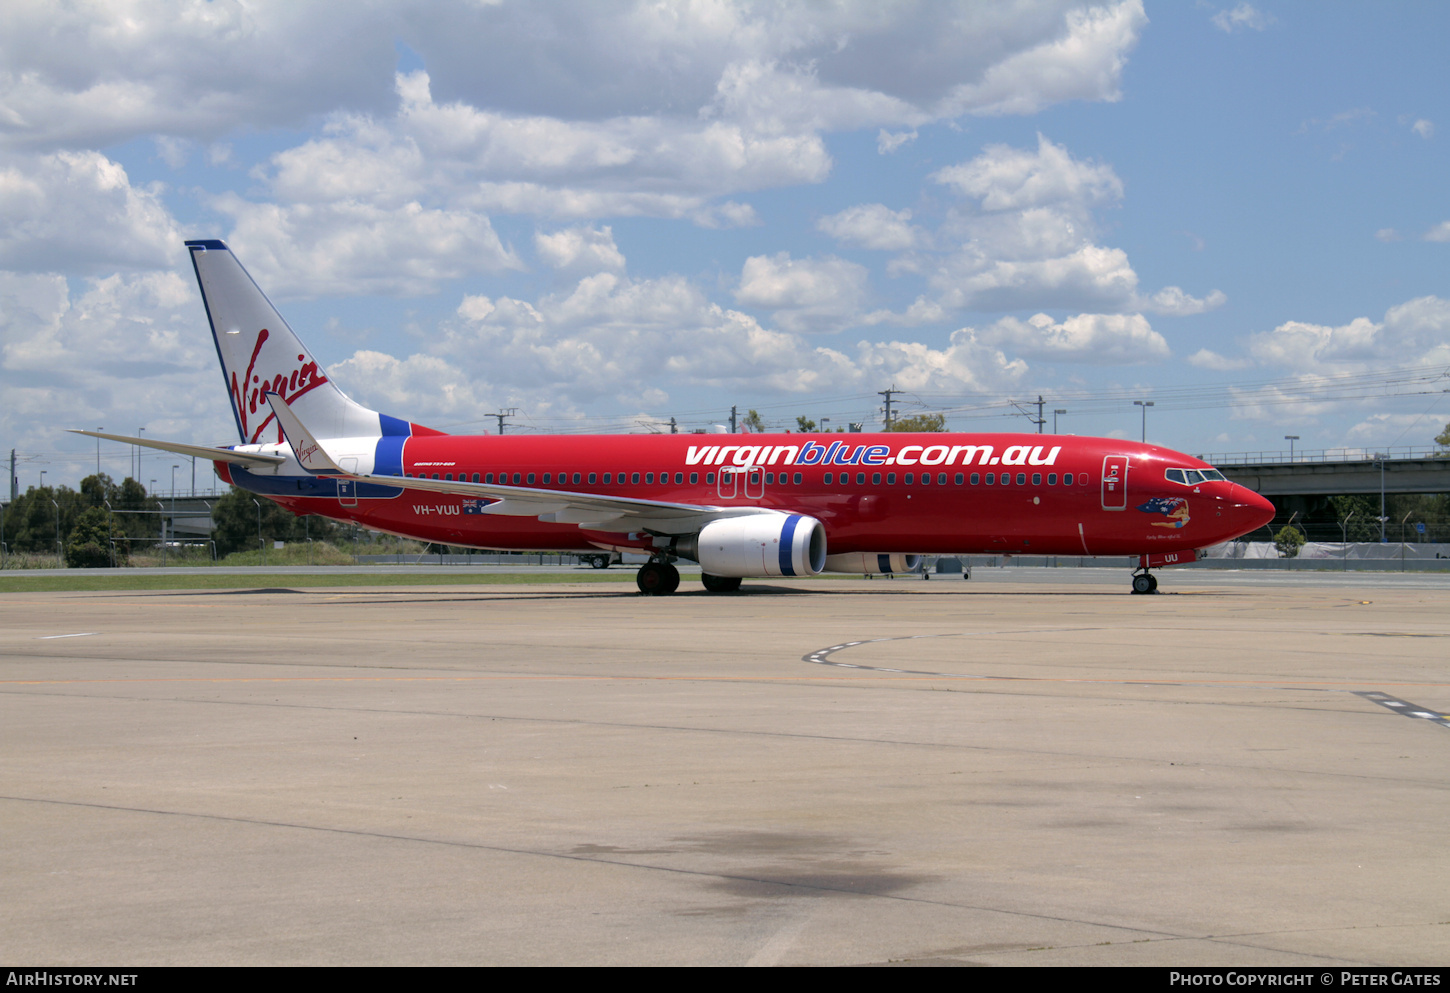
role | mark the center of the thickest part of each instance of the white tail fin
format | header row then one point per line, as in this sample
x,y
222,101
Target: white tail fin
x,y
260,353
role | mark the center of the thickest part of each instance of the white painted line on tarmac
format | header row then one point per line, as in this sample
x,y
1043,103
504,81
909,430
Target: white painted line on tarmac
x,y
81,634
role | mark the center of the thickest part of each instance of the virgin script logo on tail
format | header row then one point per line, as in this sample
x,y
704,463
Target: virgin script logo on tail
x,y
248,392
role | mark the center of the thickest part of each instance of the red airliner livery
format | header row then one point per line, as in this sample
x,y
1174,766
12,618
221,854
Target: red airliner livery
x,y
742,506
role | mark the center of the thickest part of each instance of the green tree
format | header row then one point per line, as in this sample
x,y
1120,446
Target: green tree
x,y
34,518
920,422
135,511
753,422
1359,514
1443,438
89,543
804,424
235,521
1288,541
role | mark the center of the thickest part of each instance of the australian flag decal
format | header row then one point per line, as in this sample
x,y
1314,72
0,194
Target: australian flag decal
x,y
1173,508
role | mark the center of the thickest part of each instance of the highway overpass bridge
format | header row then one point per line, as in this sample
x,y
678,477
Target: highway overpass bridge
x,y
1337,471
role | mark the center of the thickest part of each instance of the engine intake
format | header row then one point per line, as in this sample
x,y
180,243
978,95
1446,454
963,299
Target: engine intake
x,y
761,545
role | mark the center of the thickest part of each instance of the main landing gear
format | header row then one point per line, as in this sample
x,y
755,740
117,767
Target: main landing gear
x,y
1145,582
657,578
660,578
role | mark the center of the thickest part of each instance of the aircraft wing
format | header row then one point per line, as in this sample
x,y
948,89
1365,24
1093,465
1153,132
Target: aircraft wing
x,y
198,451
591,511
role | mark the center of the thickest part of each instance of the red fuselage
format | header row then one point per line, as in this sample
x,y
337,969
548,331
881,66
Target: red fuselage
x,y
914,493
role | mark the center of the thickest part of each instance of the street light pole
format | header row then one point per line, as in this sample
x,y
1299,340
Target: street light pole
x,y
259,532
1381,457
1060,410
1145,404
173,501
1291,438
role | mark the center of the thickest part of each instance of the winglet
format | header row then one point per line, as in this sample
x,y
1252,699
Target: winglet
x,y
309,451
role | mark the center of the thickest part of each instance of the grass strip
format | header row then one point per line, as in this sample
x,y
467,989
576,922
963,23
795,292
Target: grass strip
x,y
138,580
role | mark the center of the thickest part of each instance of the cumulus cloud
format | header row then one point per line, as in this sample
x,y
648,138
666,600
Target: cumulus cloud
x,y
462,155
889,141
426,387
123,343
1423,128
1171,301
1006,178
1026,237
580,248
804,294
1106,339
1242,17
1084,63
843,65
1091,276
77,211
352,248
1207,359
93,75
1440,232
1417,331
872,225
607,334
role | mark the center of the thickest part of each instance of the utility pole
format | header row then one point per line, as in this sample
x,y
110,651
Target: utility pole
x,y
1040,419
674,428
502,415
888,394
732,418
14,483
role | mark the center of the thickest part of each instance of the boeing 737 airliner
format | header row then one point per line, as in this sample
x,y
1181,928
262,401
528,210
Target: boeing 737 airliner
x,y
742,506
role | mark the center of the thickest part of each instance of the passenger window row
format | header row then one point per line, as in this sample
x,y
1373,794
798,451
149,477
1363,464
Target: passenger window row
x,y
960,479
784,479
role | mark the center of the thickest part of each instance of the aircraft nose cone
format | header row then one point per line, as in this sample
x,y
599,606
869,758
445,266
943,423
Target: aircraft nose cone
x,y
1252,509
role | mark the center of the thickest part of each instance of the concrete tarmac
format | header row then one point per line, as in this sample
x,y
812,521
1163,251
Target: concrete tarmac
x,y
1031,772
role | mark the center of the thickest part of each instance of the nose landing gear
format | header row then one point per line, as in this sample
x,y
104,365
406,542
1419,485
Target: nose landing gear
x,y
1145,582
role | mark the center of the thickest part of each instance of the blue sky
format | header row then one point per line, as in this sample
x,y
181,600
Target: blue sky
x,y
609,214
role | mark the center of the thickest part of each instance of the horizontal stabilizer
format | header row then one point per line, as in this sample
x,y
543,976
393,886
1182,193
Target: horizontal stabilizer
x,y
195,451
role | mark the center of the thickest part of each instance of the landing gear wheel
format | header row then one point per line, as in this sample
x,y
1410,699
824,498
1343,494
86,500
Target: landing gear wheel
x,y
1145,583
657,578
720,584
1153,583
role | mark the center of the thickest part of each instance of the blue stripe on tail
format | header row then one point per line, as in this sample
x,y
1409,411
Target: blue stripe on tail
x,y
388,456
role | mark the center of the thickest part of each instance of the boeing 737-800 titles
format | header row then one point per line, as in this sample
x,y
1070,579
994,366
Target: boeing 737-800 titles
x,y
742,506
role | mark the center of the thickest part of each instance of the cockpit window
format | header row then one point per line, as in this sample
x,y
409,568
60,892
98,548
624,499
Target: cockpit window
x,y
1192,477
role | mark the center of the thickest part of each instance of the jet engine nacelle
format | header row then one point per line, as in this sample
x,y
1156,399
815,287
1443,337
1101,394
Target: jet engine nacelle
x,y
873,563
761,545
